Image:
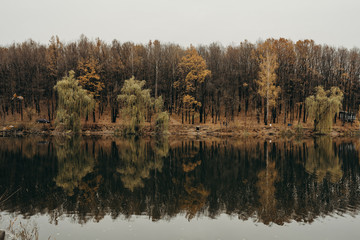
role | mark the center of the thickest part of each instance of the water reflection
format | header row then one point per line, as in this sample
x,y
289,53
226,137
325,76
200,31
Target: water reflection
x,y
74,163
88,178
323,161
266,189
137,161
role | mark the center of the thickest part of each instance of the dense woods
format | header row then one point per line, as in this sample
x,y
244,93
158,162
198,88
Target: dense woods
x,y
204,83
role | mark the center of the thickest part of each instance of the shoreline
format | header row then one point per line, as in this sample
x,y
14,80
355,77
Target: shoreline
x,y
194,131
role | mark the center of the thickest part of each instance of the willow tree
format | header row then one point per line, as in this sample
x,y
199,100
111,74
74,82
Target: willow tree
x,y
267,77
323,107
73,103
192,71
135,102
162,117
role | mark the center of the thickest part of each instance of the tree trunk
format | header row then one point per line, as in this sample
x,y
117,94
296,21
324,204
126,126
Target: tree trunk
x,y
265,116
52,110
21,111
49,111
284,112
274,115
113,114
204,115
212,113
170,101
156,78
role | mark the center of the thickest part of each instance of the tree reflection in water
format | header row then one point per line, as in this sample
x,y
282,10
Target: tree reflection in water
x,y
74,163
137,161
89,178
323,161
266,189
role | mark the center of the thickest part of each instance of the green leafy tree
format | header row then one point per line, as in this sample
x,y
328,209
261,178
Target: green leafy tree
x,y
73,103
162,123
162,117
323,107
135,102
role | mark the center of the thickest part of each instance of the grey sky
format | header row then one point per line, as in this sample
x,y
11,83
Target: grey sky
x,y
334,22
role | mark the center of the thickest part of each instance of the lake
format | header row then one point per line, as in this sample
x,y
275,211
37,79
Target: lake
x,y
113,188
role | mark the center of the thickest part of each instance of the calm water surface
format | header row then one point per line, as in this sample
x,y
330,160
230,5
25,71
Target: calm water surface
x,y
89,188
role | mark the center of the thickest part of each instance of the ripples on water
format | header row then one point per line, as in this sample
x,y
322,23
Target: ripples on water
x,y
269,183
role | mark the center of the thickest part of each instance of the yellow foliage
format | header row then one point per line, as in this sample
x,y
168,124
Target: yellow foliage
x,y
267,79
89,78
188,167
267,76
193,72
266,189
195,198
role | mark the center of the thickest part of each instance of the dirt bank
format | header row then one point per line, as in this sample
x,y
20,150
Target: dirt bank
x,y
209,130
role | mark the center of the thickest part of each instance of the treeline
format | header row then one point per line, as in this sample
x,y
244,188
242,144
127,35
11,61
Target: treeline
x,y
31,70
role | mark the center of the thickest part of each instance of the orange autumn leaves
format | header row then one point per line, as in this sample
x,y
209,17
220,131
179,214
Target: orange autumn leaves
x,y
89,78
193,72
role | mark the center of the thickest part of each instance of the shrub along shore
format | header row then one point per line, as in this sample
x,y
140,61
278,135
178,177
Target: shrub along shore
x,y
236,129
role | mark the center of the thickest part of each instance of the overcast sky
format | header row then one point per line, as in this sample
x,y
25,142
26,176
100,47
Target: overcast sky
x,y
334,22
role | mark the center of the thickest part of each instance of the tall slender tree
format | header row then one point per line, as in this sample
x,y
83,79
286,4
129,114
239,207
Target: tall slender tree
x,y
267,78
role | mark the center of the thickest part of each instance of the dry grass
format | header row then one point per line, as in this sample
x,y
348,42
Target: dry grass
x,y
22,231
240,126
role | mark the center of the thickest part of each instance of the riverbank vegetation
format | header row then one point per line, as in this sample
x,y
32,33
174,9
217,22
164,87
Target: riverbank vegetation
x,y
73,103
137,104
244,84
323,107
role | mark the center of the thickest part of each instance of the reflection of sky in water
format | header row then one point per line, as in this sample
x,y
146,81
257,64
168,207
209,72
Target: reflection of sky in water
x,y
223,227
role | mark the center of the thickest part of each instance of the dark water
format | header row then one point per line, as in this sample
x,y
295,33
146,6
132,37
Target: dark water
x,y
79,188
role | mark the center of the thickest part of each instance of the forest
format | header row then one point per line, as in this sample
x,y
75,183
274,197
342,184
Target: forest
x,y
222,83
